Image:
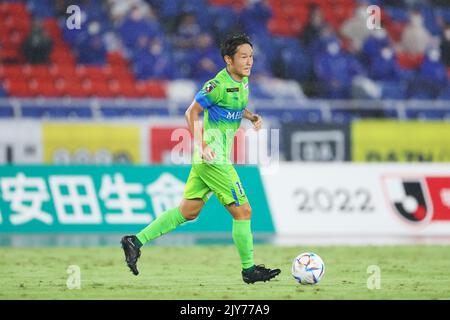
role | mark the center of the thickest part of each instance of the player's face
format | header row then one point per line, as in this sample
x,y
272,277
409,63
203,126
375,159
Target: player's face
x,y
243,60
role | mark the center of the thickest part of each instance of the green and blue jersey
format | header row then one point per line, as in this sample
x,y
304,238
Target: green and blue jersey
x,y
223,100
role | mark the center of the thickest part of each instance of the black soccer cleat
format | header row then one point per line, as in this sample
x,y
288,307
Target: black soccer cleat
x,y
132,252
259,273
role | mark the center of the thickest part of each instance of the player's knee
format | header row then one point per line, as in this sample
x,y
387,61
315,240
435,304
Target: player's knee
x,y
189,214
248,211
192,215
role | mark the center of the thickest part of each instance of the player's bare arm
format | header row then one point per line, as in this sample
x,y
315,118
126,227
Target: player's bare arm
x,y
256,119
192,116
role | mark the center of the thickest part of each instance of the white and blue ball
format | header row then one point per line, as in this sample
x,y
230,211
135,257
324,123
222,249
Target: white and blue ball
x,y
308,268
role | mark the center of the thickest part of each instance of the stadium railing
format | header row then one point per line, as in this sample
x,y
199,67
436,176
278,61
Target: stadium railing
x,y
279,110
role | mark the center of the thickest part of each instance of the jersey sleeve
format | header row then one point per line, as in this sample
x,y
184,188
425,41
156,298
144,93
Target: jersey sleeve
x,y
210,94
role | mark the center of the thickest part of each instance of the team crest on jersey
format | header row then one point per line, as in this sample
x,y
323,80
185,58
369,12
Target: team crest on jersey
x,y
246,85
210,87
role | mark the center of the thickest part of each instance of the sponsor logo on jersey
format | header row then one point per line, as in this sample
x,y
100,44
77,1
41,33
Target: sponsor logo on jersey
x,y
233,89
210,87
234,115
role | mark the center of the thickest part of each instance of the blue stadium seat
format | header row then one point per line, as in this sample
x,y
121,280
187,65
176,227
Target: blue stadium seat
x,y
445,94
258,92
42,8
348,115
393,90
444,13
427,114
6,112
133,111
224,18
292,115
397,14
2,91
56,112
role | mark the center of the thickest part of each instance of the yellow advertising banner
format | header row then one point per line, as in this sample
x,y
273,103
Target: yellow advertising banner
x,y
395,141
90,143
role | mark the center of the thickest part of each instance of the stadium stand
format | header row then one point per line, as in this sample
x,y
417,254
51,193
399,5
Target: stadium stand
x,y
136,49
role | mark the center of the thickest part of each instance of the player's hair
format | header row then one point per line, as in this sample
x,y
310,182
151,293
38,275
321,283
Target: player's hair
x,y
232,42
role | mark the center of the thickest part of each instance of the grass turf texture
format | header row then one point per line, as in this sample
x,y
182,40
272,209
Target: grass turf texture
x,y
213,272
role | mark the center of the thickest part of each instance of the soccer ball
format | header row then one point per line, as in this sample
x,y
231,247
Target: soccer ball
x,y
308,268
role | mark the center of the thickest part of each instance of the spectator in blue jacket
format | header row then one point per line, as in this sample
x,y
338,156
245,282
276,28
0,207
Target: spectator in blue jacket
x,y
209,60
335,71
152,59
373,45
91,48
432,77
384,66
136,24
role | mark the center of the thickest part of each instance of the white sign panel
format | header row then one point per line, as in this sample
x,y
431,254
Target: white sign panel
x,y
20,142
358,200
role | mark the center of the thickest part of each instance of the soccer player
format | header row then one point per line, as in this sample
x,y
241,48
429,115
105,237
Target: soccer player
x,y
223,101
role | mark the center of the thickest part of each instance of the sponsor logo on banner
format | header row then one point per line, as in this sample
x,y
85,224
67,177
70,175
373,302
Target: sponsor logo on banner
x,y
109,198
87,143
393,141
419,200
357,200
318,142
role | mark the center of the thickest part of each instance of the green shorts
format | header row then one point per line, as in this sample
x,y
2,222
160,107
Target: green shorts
x,y
222,180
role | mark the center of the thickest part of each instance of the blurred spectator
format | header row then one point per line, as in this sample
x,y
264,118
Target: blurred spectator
x,y
187,32
355,28
136,24
255,16
209,59
335,71
119,9
314,26
384,66
91,49
445,45
376,41
320,44
415,38
432,76
151,60
38,45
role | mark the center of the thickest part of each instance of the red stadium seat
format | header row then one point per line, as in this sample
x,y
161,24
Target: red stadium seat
x,y
152,88
45,88
236,4
61,54
71,88
409,61
17,88
123,88
37,71
115,59
284,27
63,71
13,71
100,89
52,27
94,73
15,8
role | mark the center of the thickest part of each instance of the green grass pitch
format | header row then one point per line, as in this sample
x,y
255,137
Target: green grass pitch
x,y
213,272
